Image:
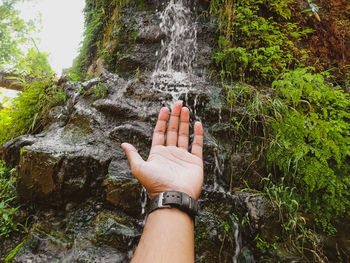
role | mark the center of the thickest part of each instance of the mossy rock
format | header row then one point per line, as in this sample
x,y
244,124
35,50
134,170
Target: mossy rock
x,y
115,231
42,244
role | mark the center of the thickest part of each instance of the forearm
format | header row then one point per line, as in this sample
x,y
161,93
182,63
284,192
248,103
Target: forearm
x,y
168,236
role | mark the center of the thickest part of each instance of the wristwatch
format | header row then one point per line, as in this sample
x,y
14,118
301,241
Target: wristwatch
x,y
176,199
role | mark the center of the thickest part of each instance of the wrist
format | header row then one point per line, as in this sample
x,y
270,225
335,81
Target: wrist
x,y
175,199
171,212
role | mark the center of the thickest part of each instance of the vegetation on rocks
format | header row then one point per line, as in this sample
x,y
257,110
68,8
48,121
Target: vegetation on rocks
x,y
102,24
287,107
7,196
297,118
27,110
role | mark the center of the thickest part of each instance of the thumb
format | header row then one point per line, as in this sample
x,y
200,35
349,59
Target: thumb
x,y
134,158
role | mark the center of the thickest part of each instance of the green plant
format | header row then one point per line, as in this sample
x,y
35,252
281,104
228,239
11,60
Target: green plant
x,y
28,109
14,32
13,252
7,195
264,246
7,225
310,144
93,35
102,23
81,90
295,230
100,90
252,46
139,75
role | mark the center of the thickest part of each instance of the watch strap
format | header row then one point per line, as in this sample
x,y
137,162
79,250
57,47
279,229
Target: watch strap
x,y
176,199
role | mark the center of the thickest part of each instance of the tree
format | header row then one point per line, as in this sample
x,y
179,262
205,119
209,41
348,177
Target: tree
x,y
15,39
14,32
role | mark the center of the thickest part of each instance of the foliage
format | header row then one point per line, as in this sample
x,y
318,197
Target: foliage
x,y
105,37
264,246
13,252
18,51
29,108
34,64
295,230
303,131
7,194
310,145
100,90
252,46
14,32
92,37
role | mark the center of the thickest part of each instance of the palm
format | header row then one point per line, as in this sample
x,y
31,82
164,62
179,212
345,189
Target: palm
x,y
171,167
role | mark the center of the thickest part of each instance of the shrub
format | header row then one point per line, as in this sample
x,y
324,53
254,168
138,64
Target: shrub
x,y
253,47
27,110
311,144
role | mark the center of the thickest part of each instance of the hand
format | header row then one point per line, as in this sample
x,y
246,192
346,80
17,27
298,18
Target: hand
x,y
170,166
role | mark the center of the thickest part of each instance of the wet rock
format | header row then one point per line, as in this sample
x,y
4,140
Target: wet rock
x,y
44,244
77,168
255,205
10,151
134,133
129,63
150,34
115,231
36,175
50,178
79,176
57,114
41,245
87,252
122,189
109,106
215,238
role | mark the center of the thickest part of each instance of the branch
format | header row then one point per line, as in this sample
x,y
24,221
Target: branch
x,y
13,84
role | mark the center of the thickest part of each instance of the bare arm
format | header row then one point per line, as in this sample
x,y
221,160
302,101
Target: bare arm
x,y
168,235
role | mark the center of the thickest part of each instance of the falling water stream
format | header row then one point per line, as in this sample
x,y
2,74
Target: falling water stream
x,y
174,69
174,73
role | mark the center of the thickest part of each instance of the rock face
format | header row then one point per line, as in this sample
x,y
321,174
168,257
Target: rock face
x,y
89,208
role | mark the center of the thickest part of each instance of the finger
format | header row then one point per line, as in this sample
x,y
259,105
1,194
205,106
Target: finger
x,y
173,126
159,130
197,145
134,159
182,140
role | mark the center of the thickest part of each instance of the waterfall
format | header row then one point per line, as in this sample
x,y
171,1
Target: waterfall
x,y
178,50
173,71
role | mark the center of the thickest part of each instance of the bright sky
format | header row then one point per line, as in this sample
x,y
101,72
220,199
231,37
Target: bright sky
x,y
62,28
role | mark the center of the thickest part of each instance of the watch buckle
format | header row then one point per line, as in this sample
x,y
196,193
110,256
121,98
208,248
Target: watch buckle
x,y
160,201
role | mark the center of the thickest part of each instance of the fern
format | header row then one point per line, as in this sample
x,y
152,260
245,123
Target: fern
x,y
28,109
311,145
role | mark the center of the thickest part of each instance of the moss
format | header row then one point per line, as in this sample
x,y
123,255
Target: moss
x,y
106,36
114,231
257,41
